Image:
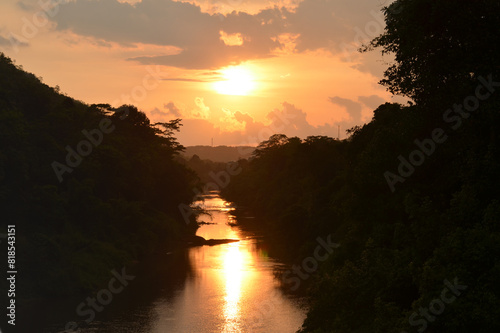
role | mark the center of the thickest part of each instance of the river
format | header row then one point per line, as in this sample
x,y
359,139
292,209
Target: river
x,y
224,288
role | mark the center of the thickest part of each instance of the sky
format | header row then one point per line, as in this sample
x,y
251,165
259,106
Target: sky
x,y
235,71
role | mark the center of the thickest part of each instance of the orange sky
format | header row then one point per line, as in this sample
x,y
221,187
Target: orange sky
x,y
234,70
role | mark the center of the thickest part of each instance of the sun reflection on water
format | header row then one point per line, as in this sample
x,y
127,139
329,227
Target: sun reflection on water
x,y
233,263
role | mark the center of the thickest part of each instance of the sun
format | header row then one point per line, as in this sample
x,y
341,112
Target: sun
x,y
237,81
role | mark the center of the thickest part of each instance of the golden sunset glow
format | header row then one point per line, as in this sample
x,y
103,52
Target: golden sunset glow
x,y
236,155
227,70
237,81
233,263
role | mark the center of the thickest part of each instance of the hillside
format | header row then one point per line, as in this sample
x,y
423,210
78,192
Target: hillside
x,y
220,153
89,188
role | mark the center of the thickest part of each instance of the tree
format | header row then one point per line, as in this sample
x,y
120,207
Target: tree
x,y
440,47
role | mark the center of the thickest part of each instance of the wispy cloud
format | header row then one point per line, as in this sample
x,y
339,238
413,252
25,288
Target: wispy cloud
x,y
183,79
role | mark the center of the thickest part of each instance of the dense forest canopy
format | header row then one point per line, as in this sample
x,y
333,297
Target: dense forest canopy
x,y
89,187
412,197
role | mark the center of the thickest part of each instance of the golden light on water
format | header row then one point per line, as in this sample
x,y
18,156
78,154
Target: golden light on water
x,y
233,265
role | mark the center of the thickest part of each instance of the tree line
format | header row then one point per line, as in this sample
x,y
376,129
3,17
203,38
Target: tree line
x,y
90,187
412,197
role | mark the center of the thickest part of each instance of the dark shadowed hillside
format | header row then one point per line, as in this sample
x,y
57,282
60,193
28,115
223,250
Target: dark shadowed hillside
x,y
220,153
88,187
412,197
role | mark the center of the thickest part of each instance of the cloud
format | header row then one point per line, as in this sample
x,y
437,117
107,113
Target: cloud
x,y
212,76
229,122
158,112
149,21
4,41
183,79
12,42
237,128
171,111
288,120
249,6
210,41
172,23
231,39
336,25
240,128
257,34
201,110
26,5
353,108
372,101
243,117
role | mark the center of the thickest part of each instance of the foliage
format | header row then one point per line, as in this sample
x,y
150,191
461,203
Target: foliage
x,y
440,47
206,170
119,204
442,223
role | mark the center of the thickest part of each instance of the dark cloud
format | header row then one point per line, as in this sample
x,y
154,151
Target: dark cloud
x,y
171,110
353,108
149,21
258,33
372,101
26,5
4,41
12,42
338,26
372,62
243,117
158,112
172,23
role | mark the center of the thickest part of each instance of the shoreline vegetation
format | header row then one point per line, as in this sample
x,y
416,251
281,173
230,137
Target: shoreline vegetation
x,y
200,241
409,218
118,204
412,197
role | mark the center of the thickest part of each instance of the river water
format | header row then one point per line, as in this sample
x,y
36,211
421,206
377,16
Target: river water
x,y
227,288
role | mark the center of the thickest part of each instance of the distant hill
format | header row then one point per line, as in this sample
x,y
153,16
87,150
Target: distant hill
x,y
219,153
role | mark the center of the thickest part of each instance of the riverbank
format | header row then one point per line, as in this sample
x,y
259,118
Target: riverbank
x,y
228,287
